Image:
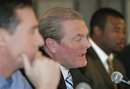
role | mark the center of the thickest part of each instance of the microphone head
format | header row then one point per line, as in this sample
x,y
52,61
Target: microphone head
x,y
116,77
83,85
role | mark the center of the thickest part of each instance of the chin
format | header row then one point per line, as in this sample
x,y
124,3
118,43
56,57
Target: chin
x,y
83,64
118,50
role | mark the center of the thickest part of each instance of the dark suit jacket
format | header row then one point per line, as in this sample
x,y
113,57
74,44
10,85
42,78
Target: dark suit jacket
x,y
124,57
97,73
77,78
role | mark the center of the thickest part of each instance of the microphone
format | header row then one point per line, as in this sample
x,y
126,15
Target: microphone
x,y
117,77
83,85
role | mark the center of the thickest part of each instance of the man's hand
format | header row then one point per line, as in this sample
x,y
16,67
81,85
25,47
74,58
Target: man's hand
x,y
43,73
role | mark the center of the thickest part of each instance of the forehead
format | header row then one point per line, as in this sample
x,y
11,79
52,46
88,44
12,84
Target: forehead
x,y
74,27
115,20
26,16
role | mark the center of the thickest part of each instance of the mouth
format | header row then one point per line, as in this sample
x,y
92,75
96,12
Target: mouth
x,y
83,55
121,45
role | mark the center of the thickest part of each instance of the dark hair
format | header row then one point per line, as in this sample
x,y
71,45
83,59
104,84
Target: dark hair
x,y
8,17
52,21
99,18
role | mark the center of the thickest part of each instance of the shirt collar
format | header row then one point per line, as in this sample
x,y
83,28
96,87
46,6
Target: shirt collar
x,y
2,81
64,71
5,82
101,54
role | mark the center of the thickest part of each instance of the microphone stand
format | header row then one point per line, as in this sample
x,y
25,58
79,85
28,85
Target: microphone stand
x,y
125,82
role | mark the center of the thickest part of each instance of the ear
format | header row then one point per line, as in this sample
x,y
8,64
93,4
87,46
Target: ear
x,y
3,37
97,32
51,44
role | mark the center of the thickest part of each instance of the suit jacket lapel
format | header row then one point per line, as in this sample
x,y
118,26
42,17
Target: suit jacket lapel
x,y
99,66
74,77
62,84
78,77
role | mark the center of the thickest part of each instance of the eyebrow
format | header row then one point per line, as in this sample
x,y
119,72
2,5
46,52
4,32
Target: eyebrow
x,y
81,35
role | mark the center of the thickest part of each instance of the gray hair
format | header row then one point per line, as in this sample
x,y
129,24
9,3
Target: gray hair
x,y
52,21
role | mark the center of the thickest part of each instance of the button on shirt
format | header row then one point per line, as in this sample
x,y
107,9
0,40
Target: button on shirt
x,y
16,81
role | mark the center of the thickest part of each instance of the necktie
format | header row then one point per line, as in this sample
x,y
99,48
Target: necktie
x,y
111,68
110,63
68,81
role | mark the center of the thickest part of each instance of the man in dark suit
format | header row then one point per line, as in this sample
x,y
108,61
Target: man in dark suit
x,y
107,35
64,32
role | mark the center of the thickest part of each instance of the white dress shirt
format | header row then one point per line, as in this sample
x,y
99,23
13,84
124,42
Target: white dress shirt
x,y
64,71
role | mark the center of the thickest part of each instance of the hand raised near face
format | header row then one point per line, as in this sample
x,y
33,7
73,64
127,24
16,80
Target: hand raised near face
x,y
43,73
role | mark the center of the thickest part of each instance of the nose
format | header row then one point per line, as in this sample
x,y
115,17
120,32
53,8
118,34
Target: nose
x,y
122,36
87,43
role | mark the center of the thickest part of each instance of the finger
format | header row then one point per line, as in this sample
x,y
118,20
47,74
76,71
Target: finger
x,y
27,65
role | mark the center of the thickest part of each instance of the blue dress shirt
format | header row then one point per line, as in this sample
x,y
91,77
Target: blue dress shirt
x,y
16,81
